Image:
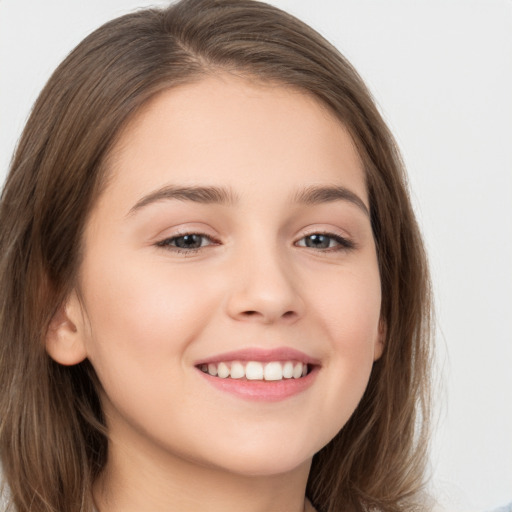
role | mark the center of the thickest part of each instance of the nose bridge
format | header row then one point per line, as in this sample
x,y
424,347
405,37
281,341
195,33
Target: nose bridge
x,y
264,285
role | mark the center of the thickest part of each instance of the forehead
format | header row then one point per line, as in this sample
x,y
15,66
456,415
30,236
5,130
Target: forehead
x,y
225,129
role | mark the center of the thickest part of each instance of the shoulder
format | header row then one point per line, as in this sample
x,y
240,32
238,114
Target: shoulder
x,y
4,498
4,494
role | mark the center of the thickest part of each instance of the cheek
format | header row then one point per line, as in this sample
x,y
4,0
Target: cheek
x,y
143,318
140,314
355,329
349,311
349,303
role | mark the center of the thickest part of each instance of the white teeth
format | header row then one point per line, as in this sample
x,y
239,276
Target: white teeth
x,y
273,371
297,371
237,370
288,370
223,370
254,370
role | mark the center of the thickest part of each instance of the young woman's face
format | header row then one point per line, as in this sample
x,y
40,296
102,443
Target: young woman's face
x,y
230,254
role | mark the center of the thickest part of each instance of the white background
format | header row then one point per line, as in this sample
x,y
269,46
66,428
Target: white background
x,y
441,72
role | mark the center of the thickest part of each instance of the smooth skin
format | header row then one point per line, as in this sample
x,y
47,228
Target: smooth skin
x,y
251,260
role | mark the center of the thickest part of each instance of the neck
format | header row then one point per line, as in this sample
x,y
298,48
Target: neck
x,y
140,481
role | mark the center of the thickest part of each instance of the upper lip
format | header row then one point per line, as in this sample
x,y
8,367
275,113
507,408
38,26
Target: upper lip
x,y
262,355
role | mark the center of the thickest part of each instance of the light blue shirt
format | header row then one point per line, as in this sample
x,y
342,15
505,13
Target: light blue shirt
x,y
506,508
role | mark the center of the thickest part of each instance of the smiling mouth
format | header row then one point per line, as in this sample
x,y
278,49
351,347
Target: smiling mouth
x,y
256,370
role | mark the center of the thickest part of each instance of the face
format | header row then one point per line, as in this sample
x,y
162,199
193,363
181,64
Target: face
x,y
229,288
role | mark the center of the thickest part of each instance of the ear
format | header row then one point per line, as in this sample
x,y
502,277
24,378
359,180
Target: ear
x,y
380,341
65,341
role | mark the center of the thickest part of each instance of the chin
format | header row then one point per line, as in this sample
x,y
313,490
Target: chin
x,y
266,466
262,459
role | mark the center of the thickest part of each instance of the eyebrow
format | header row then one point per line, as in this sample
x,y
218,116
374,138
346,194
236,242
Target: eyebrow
x,y
204,195
326,194
311,195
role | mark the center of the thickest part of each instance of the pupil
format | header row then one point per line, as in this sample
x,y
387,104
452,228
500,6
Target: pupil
x,y
318,241
189,241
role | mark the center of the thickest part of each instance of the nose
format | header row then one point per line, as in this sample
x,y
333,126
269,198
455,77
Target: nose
x,y
264,288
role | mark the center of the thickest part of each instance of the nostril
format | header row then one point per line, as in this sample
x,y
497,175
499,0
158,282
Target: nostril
x,y
287,314
252,313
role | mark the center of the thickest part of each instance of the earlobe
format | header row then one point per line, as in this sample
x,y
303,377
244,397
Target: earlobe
x,y
65,335
380,342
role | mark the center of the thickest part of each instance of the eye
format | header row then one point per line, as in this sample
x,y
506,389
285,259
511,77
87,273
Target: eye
x,y
325,241
187,242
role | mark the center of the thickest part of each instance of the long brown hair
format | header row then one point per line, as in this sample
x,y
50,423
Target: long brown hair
x,y
53,439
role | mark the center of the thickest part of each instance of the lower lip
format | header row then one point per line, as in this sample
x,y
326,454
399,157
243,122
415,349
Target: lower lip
x,y
263,390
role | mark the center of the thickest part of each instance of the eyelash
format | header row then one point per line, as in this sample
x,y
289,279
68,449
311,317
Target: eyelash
x,y
343,244
167,243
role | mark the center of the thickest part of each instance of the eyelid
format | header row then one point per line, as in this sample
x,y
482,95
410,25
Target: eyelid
x,y
184,229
